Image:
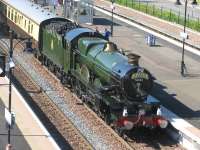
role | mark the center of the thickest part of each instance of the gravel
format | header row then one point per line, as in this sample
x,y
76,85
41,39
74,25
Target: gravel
x,y
96,141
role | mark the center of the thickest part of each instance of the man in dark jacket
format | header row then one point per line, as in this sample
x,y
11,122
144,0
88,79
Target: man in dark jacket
x,y
107,34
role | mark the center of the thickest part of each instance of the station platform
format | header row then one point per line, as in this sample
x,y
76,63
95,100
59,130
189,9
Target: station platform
x,y
169,28
28,132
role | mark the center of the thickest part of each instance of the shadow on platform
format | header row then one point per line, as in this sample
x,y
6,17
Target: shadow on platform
x,y
17,142
173,104
192,75
104,22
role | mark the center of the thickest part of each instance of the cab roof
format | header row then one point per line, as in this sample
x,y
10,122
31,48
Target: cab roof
x,y
76,33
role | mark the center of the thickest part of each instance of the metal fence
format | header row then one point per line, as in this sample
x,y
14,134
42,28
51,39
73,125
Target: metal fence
x,y
165,13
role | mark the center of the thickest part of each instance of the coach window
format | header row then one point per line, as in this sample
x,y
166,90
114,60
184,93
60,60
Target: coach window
x,y
12,14
8,12
29,24
25,24
22,20
18,19
15,17
31,28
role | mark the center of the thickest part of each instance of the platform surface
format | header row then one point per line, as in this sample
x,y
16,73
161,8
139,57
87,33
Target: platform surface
x,y
27,133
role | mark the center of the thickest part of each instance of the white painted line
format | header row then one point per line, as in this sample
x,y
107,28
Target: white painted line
x,y
181,125
36,118
150,31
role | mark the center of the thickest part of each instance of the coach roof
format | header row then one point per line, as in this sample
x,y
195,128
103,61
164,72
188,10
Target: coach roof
x,y
32,11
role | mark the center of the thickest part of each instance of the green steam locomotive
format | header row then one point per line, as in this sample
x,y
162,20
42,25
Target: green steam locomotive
x,y
111,83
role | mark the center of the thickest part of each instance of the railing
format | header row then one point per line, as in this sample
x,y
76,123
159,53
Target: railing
x,y
171,15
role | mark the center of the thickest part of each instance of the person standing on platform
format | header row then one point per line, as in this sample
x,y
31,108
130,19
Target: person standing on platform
x,y
107,34
97,30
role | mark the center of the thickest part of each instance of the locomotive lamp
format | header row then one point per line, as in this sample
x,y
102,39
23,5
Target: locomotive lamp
x,y
162,123
128,125
125,112
141,112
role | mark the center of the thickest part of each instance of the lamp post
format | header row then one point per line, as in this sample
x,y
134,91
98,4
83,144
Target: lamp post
x,y
183,51
10,65
10,75
8,114
112,9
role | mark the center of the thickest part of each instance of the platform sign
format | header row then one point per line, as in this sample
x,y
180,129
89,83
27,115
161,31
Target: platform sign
x,y
1,71
112,6
184,35
10,118
2,64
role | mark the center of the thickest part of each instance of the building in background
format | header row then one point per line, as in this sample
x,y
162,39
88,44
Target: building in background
x,y
80,11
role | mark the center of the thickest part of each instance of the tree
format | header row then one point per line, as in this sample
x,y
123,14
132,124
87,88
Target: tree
x,y
194,2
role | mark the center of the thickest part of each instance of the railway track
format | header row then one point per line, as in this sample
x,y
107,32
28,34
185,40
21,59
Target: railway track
x,y
53,116
49,113
57,117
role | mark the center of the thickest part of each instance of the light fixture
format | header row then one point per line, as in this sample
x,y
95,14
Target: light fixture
x,y
125,112
11,64
1,71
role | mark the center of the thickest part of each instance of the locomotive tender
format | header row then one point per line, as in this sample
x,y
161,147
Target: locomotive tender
x,y
93,67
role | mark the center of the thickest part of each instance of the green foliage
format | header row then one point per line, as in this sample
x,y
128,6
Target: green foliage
x,y
168,15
